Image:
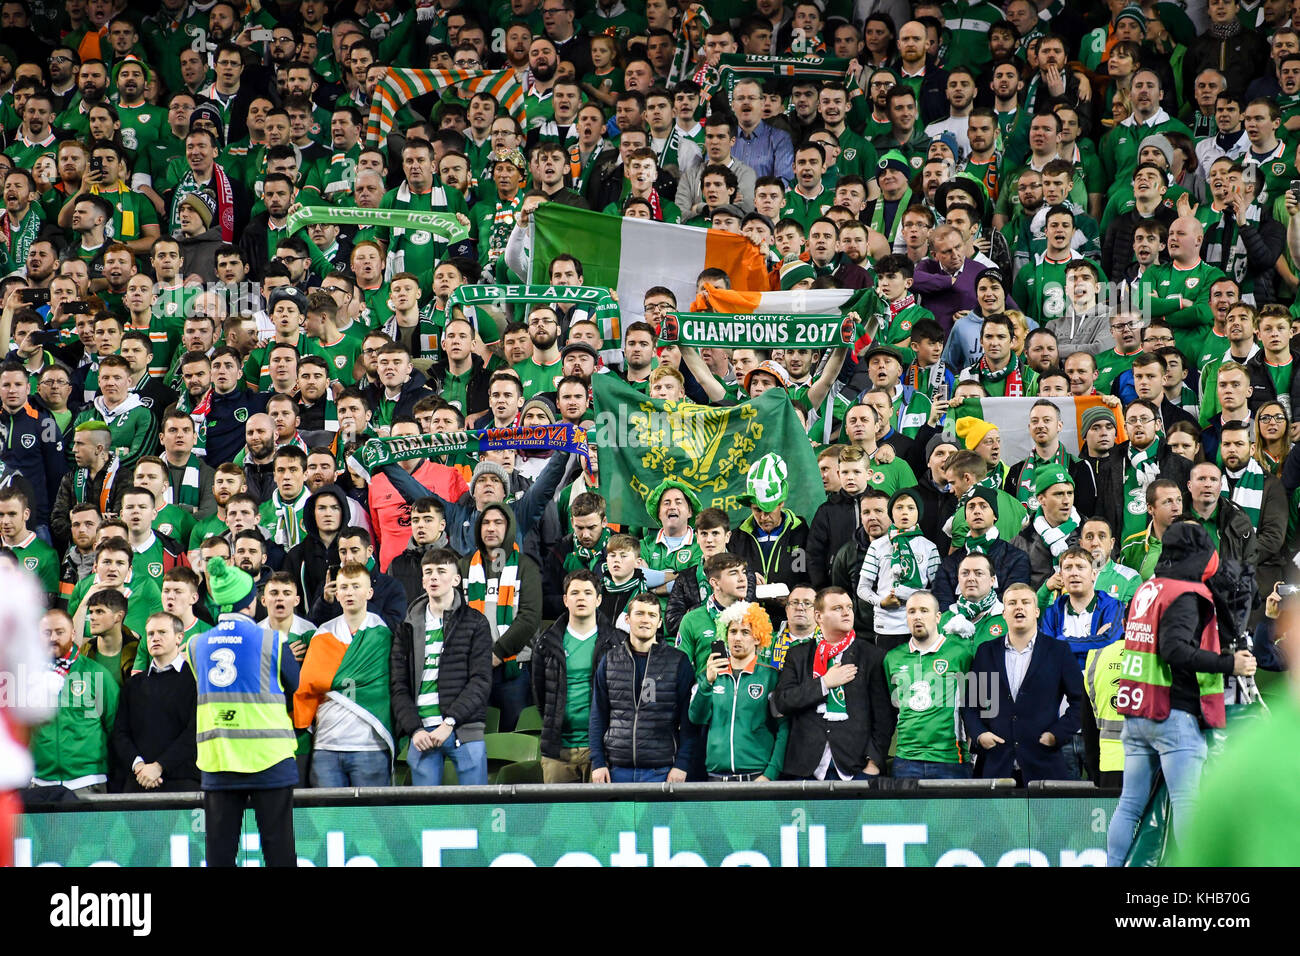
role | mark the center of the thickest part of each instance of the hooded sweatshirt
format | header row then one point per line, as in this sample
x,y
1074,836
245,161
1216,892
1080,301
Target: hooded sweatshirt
x,y
512,639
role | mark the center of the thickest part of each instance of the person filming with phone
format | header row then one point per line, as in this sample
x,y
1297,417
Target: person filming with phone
x,y
746,737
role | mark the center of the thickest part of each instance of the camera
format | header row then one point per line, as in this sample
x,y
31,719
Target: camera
x,y
34,296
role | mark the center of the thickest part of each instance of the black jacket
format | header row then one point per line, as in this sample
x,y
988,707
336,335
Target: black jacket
x,y
937,506
416,388
155,721
832,527
464,670
405,569
550,675
1053,673
870,725
310,558
388,600
1041,564
1117,244
639,709
225,435
846,568
788,558
476,393
1185,556
1010,564
1110,481
1262,388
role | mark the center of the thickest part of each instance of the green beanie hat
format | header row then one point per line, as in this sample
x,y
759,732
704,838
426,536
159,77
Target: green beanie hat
x,y
1044,478
230,587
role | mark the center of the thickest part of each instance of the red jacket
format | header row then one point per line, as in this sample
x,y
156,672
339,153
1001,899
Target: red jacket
x,y
390,513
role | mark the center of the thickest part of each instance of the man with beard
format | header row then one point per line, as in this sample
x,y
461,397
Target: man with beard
x,y
539,372
20,221
142,123
543,60
35,137
92,90
42,260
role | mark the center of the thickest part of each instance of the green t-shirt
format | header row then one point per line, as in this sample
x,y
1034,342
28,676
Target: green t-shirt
x,y
175,522
340,355
205,528
1110,366
40,559
928,690
579,664
538,378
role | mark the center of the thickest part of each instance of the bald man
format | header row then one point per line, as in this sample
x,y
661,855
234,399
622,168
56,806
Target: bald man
x,y
1180,289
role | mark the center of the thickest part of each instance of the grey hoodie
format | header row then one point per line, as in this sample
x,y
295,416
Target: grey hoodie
x,y
1083,332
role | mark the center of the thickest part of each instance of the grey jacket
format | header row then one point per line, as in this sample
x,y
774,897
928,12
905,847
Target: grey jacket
x,y
688,188
1088,332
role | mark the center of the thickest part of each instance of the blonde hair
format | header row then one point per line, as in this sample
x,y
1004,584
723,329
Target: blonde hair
x,y
667,371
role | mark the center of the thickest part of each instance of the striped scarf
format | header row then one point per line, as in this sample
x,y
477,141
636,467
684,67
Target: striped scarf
x,y
500,604
81,483
188,494
1025,490
1246,489
427,702
1057,538
1013,373
979,544
221,191
906,569
1223,246
288,519
826,655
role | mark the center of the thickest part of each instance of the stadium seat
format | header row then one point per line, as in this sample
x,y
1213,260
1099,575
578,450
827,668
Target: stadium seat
x,y
493,723
510,748
524,771
530,721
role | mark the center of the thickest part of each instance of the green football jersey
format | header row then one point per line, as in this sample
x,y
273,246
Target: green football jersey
x,y
927,689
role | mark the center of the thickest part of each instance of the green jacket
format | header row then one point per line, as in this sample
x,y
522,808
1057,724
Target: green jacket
x,y
696,633
72,748
743,736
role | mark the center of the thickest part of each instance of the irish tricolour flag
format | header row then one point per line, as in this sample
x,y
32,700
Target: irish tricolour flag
x,y
633,255
1011,416
796,301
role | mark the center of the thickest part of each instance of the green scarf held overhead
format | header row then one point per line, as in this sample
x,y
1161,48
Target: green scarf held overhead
x,y
582,558
1248,491
1025,490
972,611
188,494
907,571
444,227
1141,468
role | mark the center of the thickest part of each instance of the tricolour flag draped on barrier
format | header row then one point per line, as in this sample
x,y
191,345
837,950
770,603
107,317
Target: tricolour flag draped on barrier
x,y
1011,416
633,255
399,86
642,441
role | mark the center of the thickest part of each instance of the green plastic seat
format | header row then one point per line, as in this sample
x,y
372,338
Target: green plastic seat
x,y
524,771
530,721
511,748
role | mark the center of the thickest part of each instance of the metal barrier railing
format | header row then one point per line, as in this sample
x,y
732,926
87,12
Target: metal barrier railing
x,y
885,788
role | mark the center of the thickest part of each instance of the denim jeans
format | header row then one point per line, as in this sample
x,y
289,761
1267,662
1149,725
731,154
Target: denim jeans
x,y
509,696
638,774
351,768
930,770
470,760
1176,746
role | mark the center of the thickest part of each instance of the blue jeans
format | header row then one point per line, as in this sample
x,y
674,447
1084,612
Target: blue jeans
x,y
1177,747
351,768
638,774
509,696
470,760
930,770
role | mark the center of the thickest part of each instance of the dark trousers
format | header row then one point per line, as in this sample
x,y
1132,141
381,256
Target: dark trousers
x,y
509,696
273,809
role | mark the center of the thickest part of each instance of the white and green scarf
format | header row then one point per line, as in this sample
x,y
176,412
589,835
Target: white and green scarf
x,y
1056,538
427,702
188,493
903,563
1248,491
968,613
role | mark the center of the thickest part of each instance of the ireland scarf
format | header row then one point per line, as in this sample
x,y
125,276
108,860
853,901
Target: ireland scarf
x,y
398,86
501,605
826,655
1013,375
594,300
1141,468
188,493
761,330
223,192
742,66
565,437
282,520
1025,489
968,613
582,558
444,227
1057,538
907,571
349,669
81,483
1246,489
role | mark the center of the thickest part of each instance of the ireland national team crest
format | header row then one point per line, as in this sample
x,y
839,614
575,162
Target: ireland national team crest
x,y
1192,281
755,691
29,441
906,562
1279,168
155,569
30,564
340,361
941,666
850,153
996,630
241,414
682,557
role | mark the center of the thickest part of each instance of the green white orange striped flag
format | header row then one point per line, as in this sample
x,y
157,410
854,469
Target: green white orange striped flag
x,y
399,86
633,255
1011,416
805,301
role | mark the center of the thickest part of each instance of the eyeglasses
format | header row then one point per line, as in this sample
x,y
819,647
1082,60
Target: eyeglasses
x,y
1272,419
289,258
799,604
1141,421
57,58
